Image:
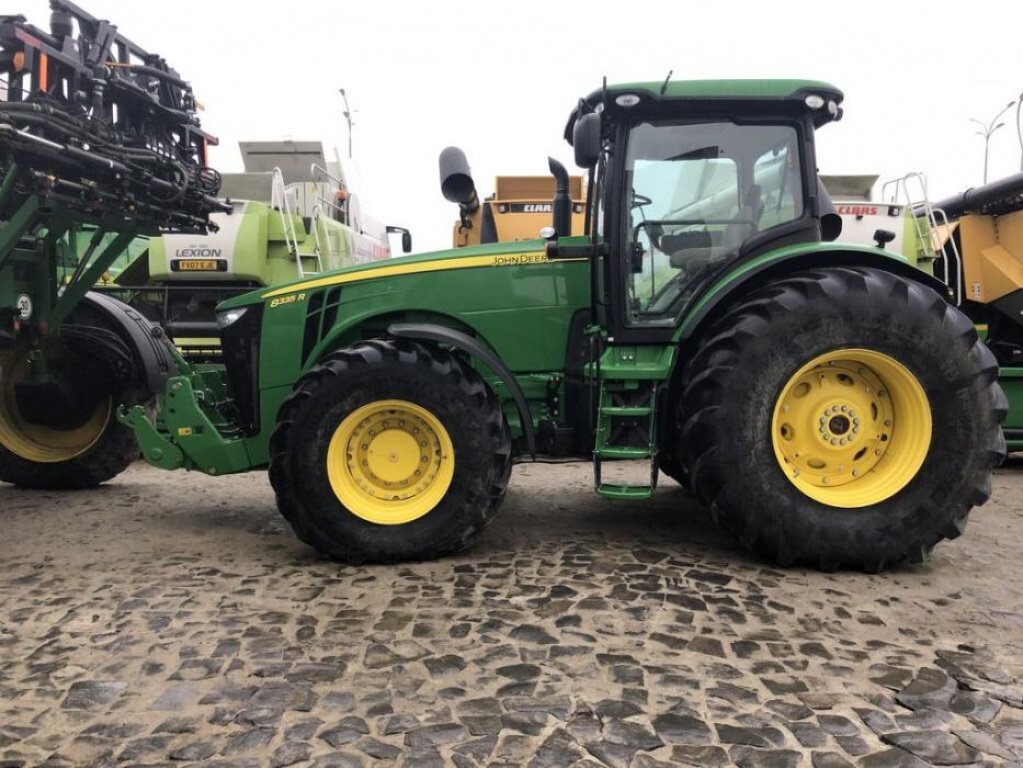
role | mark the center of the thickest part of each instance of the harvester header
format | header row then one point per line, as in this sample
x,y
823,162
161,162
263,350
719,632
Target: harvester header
x,y
998,197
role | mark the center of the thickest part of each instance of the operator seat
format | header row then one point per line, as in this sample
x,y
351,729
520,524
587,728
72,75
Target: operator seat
x,y
747,221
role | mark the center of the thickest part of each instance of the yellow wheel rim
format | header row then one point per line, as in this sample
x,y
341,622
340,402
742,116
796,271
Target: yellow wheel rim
x,y
851,428
390,462
35,442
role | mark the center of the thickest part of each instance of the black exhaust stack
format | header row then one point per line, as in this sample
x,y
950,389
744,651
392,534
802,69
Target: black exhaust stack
x,y
562,204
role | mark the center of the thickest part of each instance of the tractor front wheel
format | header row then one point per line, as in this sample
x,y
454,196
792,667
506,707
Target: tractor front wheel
x,y
842,417
390,450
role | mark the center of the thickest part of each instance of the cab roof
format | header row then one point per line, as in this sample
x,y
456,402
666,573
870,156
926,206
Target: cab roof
x,y
726,90
705,96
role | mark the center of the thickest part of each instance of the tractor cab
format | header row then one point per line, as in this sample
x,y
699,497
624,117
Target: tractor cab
x,y
690,178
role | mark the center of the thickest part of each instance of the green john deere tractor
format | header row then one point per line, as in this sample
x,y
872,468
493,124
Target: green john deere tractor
x,y
825,401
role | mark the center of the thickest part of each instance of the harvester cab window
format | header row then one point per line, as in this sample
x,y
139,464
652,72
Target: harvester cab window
x,y
696,193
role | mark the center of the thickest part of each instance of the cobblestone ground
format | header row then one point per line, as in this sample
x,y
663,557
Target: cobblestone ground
x,y
173,619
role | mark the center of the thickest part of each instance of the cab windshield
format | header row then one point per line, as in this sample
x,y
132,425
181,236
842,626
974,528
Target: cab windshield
x,y
696,192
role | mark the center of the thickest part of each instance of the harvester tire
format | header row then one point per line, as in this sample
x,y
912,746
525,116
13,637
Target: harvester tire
x,y
907,432
108,457
80,455
390,450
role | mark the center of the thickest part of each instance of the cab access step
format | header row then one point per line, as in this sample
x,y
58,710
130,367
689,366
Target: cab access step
x,y
626,427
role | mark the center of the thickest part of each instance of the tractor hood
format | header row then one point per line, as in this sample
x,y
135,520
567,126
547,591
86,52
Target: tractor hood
x,y
495,255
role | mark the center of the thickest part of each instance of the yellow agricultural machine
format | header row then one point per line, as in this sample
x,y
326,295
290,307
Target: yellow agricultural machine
x,y
973,243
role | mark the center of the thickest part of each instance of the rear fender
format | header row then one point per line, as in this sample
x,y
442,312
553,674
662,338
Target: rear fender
x,y
747,277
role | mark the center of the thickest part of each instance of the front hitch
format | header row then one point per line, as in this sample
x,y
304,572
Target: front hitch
x,y
156,449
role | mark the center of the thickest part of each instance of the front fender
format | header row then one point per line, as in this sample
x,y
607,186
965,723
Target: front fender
x,y
443,335
748,276
147,341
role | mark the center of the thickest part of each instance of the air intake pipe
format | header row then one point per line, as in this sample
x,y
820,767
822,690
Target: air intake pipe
x,y
456,182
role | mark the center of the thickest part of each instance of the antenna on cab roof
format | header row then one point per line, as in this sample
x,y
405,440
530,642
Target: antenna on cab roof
x,y
664,85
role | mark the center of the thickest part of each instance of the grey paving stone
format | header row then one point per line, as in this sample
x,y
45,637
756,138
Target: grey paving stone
x,y
974,705
631,734
289,753
254,740
934,747
93,694
930,689
682,729
987,744
700,756
754,737
194,751
892,758
829,760
377,749
750,757
434,735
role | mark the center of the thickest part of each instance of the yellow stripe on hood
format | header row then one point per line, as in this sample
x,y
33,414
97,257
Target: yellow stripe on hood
x,y
400,267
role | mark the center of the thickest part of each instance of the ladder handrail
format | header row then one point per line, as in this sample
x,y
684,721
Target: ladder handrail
x,y
928,236
315,224
280,200
316,171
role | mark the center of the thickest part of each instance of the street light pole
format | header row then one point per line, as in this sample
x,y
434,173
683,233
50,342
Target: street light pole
x,y
986,129
1019,128
348,118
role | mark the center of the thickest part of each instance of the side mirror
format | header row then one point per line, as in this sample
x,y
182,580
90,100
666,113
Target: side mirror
x,y
882,237
406,238
586,140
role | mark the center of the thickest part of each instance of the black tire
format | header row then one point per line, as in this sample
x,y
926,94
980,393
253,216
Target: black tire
x,y
671,465
112,451
111,454
737,374
376,370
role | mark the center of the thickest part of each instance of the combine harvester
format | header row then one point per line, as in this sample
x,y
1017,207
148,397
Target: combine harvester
x,y
294,214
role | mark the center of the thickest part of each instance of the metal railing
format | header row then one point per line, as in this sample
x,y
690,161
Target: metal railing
x,y
281,201
322,175
928,221
317,216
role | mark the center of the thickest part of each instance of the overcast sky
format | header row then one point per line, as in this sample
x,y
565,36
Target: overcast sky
x,y
499,79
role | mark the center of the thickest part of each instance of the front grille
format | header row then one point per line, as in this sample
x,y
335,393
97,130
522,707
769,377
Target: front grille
x,y
319,319
239,344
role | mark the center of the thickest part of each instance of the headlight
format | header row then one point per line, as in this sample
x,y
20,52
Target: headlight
x,y
230,317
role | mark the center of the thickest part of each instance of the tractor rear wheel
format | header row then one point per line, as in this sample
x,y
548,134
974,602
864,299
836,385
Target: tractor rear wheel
x,y
88,450
670,465
390,450
842,417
